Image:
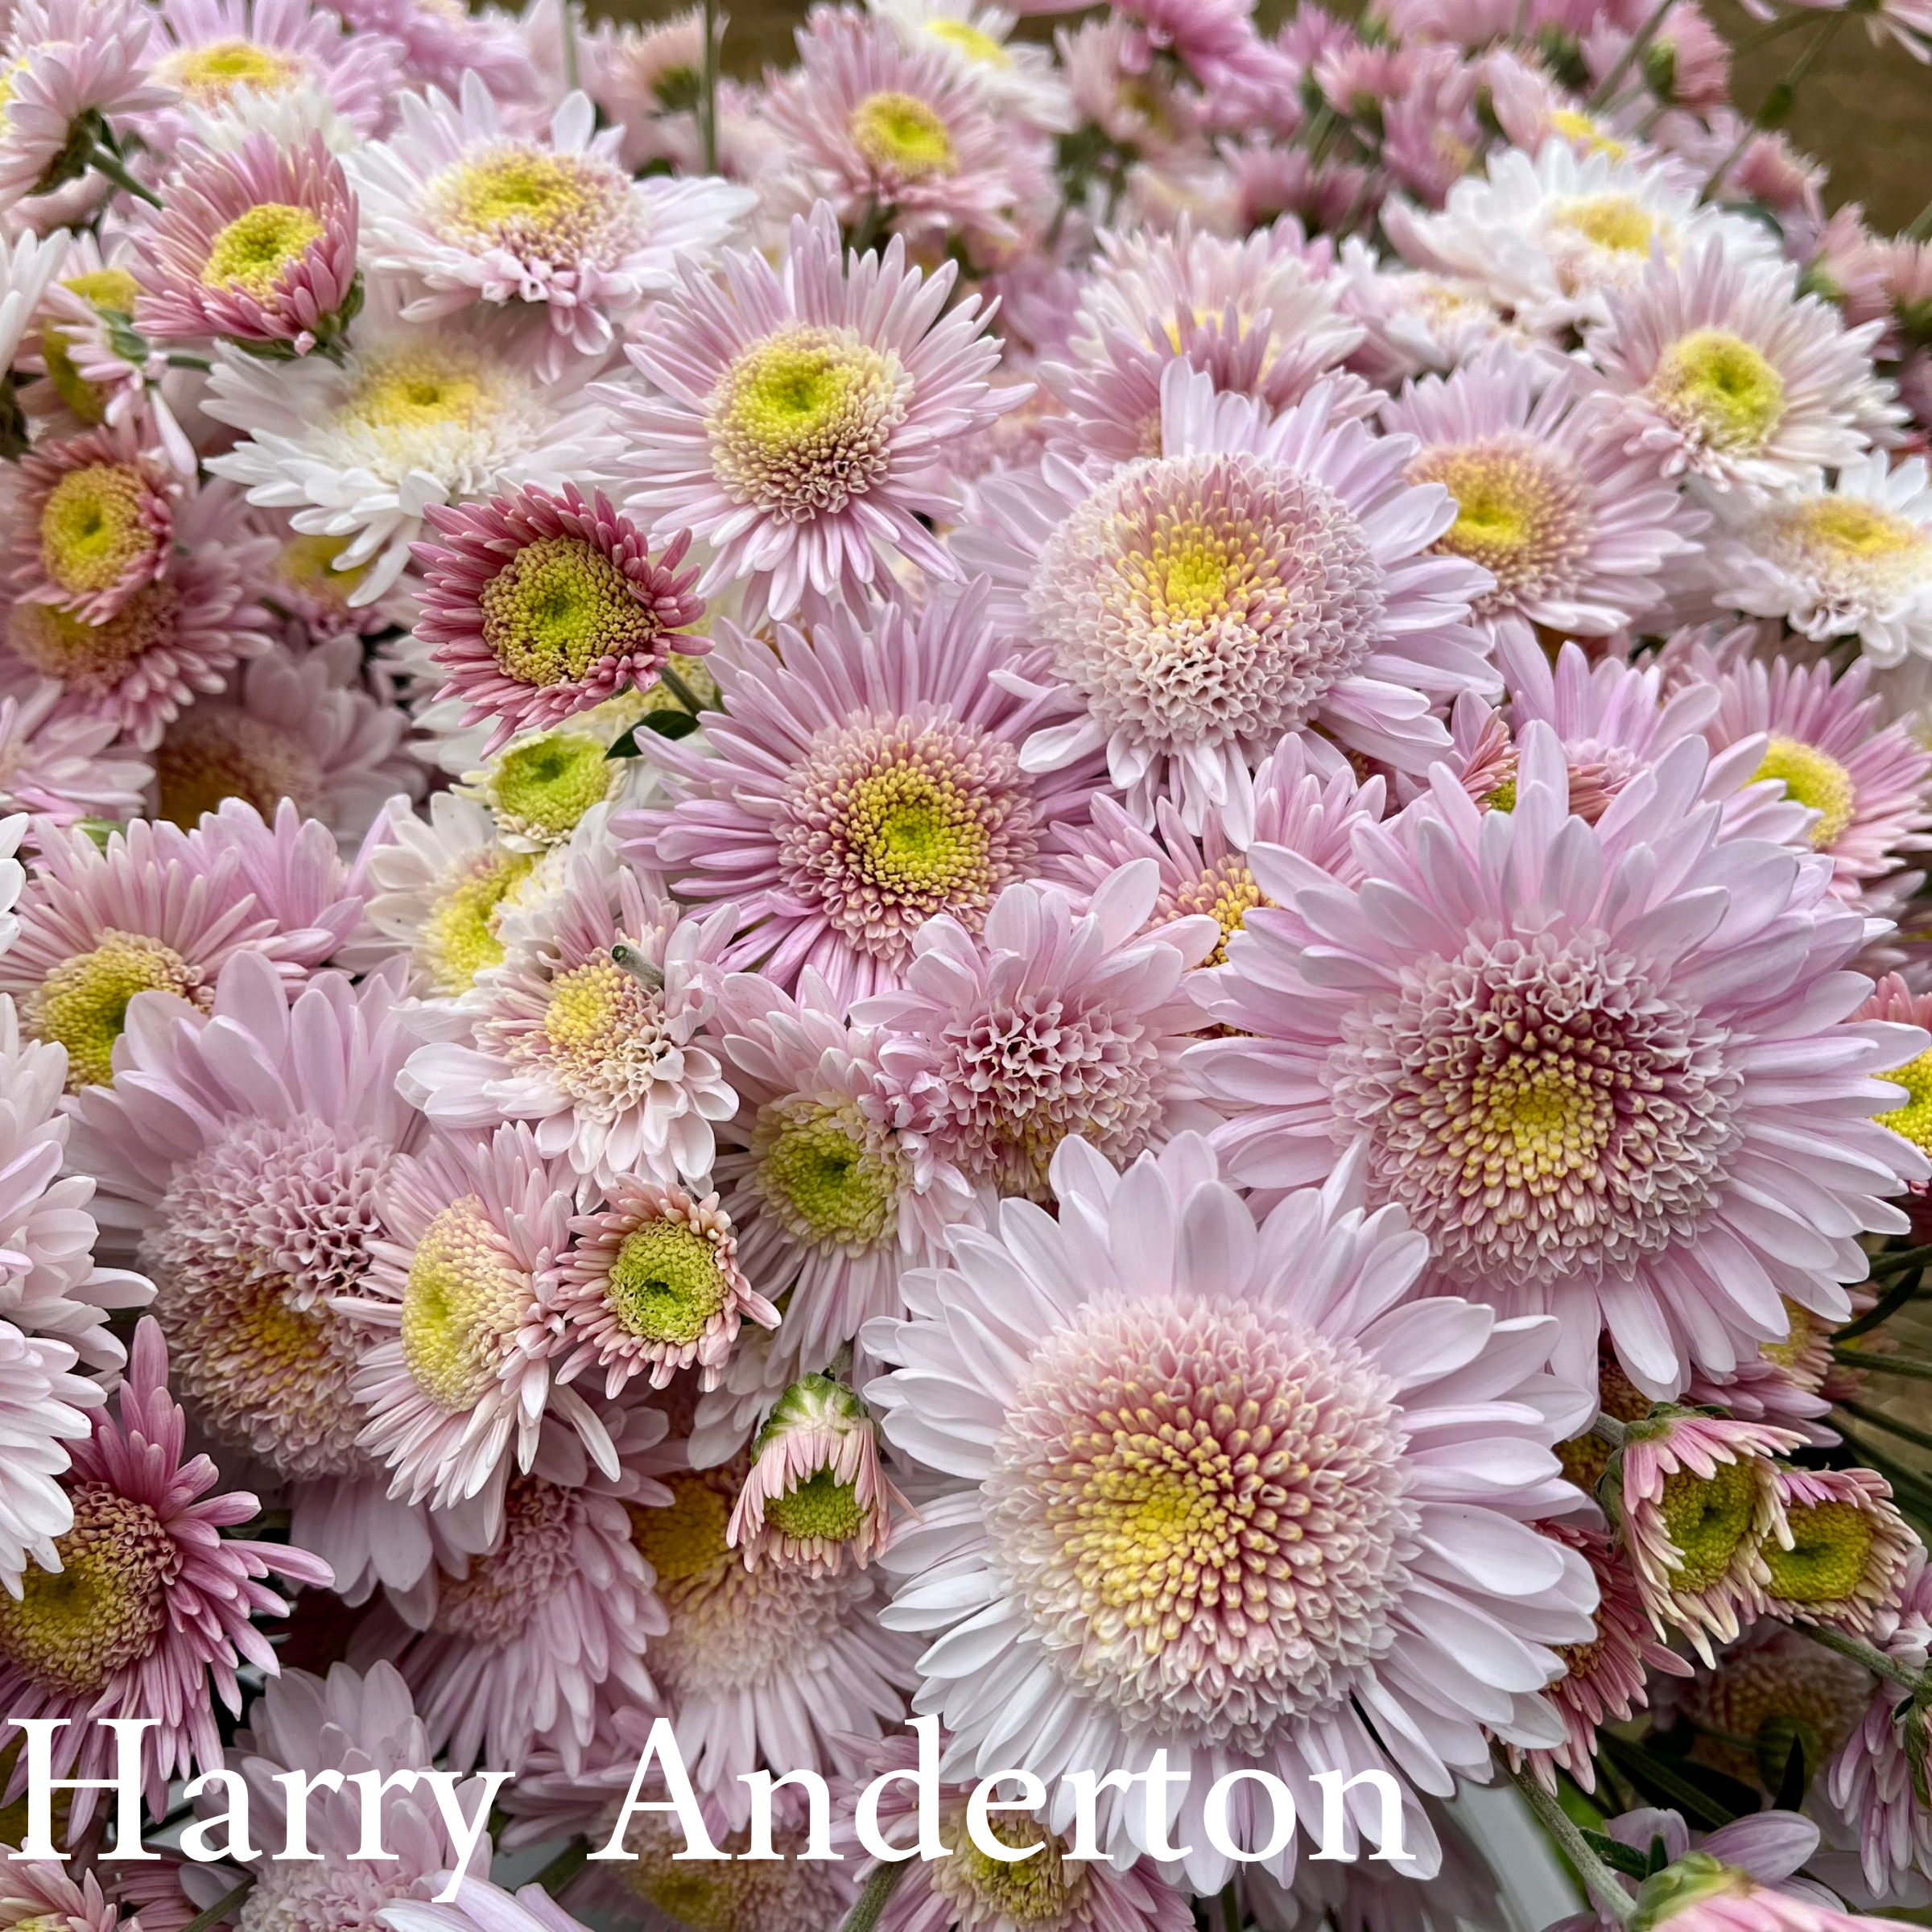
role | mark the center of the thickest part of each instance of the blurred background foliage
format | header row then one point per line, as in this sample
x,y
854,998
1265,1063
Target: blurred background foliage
x,y
1866,112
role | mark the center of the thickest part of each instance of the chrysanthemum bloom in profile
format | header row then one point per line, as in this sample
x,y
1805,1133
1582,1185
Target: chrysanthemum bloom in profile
x,y
800,417
1262,576
149,1613
1725,1013
1846,1551
540,606
480,1906
1050,1023
1096,1588
652,1285
1722,370
1870,782
853,786
1854,560
1577,534
58,765
900,129
1045,1890
816,1494
590,1028
458,1373
466,211
411,417
775,1667
169,640
1250,314
1552,239
551,1622
258,245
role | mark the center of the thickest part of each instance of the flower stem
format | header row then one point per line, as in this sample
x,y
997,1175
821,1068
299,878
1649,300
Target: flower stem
x,y
1631,55
679,690
564,1867
1231,1909
1885,1364
1607,1429
1874,1660
1599,1880
205,1921
873,1900
1777,105
714,33
1920,230
110,165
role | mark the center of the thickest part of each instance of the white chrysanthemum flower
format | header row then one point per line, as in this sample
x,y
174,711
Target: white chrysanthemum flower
x,y
1853,560
13,875
290,116
26,269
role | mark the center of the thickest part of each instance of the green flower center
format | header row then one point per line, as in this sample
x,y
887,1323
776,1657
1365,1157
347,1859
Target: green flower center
x,y
82,1003
106,288
899,134
91,530
825,1184
461,1306
1718,384
558,607
1707,1519
1830,1546
307,563
666,1283
1815,780
1913,1120
459,940
253,252
544,788
820,1506
1044,1889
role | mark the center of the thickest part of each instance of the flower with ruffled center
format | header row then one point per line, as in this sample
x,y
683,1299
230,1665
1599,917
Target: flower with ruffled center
x,y
215,752
94,524
540,606
787,1894
1843,1548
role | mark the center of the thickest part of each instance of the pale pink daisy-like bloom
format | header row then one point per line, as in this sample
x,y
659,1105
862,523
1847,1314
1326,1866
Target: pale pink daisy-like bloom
x,y
1155,1295
1049,1024
540,606
1021,82
1215,40
169,640
591,1029
1578,535
151,1602
480,1906
1250,314
554,1617
1756,1133
875,122
441,45
652,1285
258,245
800,416
966,1891
816,1494
1261,576
63,766
37,1895
1854,560
459,1370
1722,370
1869,783
1415,320
854,786
1847,1553
468,211
44,1407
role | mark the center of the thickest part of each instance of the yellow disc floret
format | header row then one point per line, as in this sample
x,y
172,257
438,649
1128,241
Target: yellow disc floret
x,y
1722,389
900,134
93,528
256,249
1813,779
208,74
460,1308
82,1003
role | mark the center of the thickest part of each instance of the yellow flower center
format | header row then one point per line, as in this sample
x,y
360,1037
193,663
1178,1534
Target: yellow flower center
x,y
914,833
94,657
901,135
1913,1120
687,1539
419,388
93,532
824,1185
544,788
1190,581
1519,512
1574,127
1616,222
307,563
1813,779
1721,387
1228,892
1831,1545
1855,529
255,249
1801,1324
559,607
212,753
527,201
82,1003
593,1011
106,288
970,41
461,1306
1047,1889
208,75
461,939
1707,1519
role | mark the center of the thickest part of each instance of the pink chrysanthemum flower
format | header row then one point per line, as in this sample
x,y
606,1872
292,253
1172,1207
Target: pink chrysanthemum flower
x,y
590,1029
554,1617
169,639
441,45
853,786
652,1285
1088,1611
540,606
883,125
1847,1550
1048,1024
1257,578
258,245
1870,783
63,766
37,1895
1249,314
801,416
1722,370
469,212
1577,534
1383,1033
816,1493
151,1602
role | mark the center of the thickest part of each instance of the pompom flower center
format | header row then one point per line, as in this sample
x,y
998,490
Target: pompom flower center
x,y
82,1003
1047,1892
496,1600
443,405
559,607
94,528
531,203
735,1894
1201,1508
1913,1120
665,1284
1617,223
211,753
900,134
1198,599
71,1630
1707,1518
818,1176
542,789
802,421
461,938
600,1037
1539,1108
1816,780
686,1539
209,74
1830,1547
94,658
1521,512
821,1506
1860,555
464,1298
1718,387
255,249
1226,893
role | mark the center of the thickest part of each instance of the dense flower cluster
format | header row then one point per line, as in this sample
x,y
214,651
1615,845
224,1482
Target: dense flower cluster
x,y
1065,876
